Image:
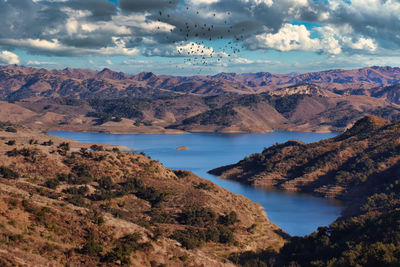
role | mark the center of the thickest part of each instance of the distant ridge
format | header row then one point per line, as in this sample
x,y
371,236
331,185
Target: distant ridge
x,y
17,82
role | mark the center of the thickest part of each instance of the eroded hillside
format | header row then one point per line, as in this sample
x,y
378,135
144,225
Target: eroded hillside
x,y
346,166
62,202
360,166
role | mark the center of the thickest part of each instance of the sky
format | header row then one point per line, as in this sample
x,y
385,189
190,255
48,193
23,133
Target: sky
x,y
191,37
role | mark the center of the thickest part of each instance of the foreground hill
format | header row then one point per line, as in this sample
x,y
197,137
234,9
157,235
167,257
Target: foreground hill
x,y
64,203
17,82
342,167
360,166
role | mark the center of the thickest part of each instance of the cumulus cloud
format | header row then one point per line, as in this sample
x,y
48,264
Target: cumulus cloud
x,y
54,47
146,5
36,63
376,20
196,53
157,27
296,37
7,57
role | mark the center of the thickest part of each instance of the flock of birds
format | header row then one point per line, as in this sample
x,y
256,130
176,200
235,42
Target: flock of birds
x,y
192,39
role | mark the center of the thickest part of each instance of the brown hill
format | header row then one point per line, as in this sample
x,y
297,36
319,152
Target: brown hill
x,y
301,89
345,167
62,204
86,100
390,93
17,82
222,113
361,166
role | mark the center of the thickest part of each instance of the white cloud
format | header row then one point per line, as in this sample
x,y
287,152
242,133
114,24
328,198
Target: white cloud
x,y
40,63
203,2
194,49
296,37
362,44
55,47
258,2
7,57
329,40
189,49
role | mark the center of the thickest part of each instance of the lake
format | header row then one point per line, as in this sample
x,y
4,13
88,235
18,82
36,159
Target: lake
x,y
296,214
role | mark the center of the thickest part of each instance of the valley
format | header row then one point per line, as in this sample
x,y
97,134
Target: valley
x,y
148,214
93,101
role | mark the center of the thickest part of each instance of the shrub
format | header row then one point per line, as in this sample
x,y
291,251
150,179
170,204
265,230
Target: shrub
x,y
48,143
10,142
228,219
150,194
8,173
100,195
203,186
225,234
63,148
52,183
184,257
11,130
120,253
96,148
117,119
187,240
81,170
198,216
76,190
76,200
105,183
33,142
181,173
91,246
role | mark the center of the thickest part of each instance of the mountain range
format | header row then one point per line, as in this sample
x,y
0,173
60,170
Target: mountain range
x,y
108,101
18,82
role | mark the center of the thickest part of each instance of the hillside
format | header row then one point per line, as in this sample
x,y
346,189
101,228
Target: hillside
x,y
115,102
362,167
63,202
304,108
342,167
18,82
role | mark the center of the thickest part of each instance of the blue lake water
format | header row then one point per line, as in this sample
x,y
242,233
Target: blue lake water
x,y
296,214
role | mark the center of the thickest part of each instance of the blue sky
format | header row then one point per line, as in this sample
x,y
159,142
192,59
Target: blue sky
x,y
173,36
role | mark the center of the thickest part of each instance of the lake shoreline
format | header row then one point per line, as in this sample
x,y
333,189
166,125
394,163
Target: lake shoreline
x,y
296,214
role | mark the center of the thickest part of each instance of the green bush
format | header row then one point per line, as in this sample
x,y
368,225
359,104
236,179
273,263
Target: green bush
x,y
8,173
228,219
10,142
11,130
76,190
120,253
96,148
105,183
47,143
187,240
91,246
197,216
52,183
